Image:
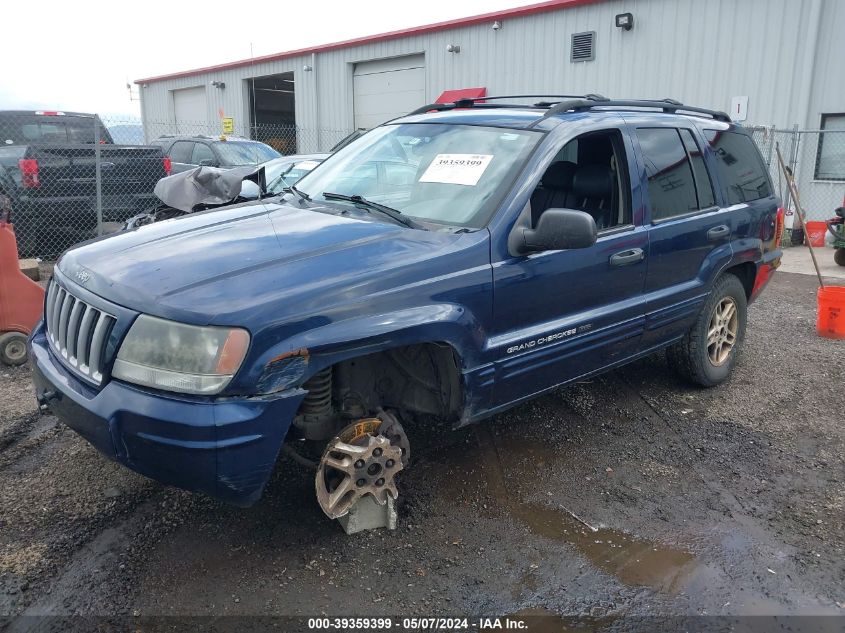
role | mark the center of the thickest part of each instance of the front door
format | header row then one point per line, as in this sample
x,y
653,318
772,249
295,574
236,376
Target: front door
x,y
559,315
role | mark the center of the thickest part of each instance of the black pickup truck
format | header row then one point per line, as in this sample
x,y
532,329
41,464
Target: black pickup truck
x,y
48,169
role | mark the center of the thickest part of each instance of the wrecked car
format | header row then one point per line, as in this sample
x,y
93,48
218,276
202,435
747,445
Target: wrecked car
x,y
207,188
449,264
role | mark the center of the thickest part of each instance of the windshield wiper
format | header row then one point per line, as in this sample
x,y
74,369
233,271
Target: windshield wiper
x,y
390,212
302,195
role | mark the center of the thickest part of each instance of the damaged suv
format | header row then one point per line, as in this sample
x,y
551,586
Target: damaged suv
x,y
451,263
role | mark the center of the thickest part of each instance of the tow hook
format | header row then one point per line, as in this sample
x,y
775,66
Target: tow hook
x,y
43,399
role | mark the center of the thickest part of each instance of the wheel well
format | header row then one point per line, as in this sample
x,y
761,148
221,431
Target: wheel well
x,y
423,378
745,273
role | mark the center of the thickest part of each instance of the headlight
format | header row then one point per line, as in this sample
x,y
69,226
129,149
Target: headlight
x,y
178,357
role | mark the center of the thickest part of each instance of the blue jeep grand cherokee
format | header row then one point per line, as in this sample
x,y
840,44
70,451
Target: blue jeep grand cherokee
x,y
452,263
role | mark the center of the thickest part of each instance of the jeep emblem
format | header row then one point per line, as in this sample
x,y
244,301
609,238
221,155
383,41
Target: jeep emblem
x,y
82,276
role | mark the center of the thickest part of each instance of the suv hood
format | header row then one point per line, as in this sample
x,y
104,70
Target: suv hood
x,y
227,266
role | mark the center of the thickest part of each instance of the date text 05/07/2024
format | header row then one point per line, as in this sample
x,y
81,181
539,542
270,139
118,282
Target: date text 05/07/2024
x,y
508,623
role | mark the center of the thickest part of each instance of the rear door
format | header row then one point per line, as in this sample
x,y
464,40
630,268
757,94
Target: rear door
x,y
689,230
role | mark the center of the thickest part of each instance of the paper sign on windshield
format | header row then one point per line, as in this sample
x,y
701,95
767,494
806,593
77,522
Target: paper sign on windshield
x,y
457,169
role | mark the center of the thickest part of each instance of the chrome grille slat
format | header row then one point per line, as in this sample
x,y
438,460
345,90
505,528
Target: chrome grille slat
x,y
64,316
60,297
82,339
77,331
97,345
73,330
51,301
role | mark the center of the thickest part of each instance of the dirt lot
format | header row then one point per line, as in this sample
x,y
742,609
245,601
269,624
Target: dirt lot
x,y
723,502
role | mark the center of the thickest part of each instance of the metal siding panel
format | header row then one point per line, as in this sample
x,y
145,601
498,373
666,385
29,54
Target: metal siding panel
x,y
749,47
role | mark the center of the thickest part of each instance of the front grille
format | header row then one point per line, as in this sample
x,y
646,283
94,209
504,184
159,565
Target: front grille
x,y
77,332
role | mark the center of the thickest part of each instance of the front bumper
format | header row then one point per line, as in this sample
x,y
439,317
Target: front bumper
x,y
225,447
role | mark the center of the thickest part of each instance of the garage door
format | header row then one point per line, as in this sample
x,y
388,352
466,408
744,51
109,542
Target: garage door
x,y
190,109
387,88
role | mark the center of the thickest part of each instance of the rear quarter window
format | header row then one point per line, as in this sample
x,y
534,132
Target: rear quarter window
x,y
740,166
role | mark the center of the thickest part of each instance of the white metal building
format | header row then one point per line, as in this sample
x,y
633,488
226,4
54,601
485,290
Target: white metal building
x,y
767,62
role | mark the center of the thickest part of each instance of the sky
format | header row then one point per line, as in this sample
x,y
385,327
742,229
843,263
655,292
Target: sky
x,y
79,56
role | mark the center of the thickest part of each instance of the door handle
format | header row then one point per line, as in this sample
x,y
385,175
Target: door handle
x,y
718,232
626,258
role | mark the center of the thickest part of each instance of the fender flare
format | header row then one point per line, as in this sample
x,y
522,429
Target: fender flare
x,y
326,345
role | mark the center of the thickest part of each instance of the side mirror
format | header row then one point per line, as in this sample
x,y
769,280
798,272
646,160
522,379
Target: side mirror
x,y
560,229
207,162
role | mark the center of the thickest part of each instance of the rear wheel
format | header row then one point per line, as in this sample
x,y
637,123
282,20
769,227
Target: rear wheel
x,y
839,256
708,352
13,348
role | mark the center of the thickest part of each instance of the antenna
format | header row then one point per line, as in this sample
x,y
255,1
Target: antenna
x,y
133,96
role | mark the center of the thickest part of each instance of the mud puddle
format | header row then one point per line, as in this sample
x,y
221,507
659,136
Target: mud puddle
x,y
633,561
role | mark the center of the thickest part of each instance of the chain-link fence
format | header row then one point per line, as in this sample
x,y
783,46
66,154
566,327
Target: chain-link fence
x,y
66,177
816,159
70,177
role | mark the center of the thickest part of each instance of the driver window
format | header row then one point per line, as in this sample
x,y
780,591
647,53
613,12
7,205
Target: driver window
x,y
585,175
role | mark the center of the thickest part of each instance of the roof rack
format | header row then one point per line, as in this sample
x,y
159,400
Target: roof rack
x,y
576,103
473,102
669,106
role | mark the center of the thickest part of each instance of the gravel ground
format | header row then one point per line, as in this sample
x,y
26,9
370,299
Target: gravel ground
x,y
727,501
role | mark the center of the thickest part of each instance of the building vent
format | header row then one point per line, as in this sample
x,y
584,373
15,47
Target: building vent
x,y
583,47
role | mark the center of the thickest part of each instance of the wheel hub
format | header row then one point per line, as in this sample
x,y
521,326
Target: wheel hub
x,y
722,332
16,350
363,459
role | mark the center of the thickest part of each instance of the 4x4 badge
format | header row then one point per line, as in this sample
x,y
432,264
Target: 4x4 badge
x,y
82,276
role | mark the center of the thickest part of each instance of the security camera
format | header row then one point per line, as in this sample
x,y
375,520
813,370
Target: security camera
x,y
453,48
497,25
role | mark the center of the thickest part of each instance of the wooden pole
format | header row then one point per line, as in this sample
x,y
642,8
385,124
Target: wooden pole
x,y
793,189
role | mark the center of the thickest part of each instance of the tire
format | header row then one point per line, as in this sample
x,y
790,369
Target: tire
x,y
692,357
839,256
13,348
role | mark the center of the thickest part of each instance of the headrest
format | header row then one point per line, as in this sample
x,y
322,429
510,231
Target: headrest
x,y
593,181
559,175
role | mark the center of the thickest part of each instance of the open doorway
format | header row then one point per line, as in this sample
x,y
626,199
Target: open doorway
x,y
272,111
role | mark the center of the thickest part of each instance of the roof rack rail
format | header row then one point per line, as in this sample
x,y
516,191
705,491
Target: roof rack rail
x,y
575,103
470,102
669,106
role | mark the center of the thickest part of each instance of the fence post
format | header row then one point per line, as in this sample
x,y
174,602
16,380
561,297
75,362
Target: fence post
x,y
793,150
98,177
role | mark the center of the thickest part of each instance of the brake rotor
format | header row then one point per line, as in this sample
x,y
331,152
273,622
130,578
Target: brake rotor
x,y
362,459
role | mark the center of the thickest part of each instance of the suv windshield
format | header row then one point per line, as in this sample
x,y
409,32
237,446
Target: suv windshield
x,y
236,153
444,173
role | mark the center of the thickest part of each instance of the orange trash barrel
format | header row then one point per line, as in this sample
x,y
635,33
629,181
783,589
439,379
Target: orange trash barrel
x,y
831,317
816,232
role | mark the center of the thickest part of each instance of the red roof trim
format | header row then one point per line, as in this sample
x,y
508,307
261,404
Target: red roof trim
x,y
542,7
450,96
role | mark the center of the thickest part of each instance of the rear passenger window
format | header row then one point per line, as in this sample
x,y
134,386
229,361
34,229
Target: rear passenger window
x,y
201,152
703,185
181,152
671,186
741,168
